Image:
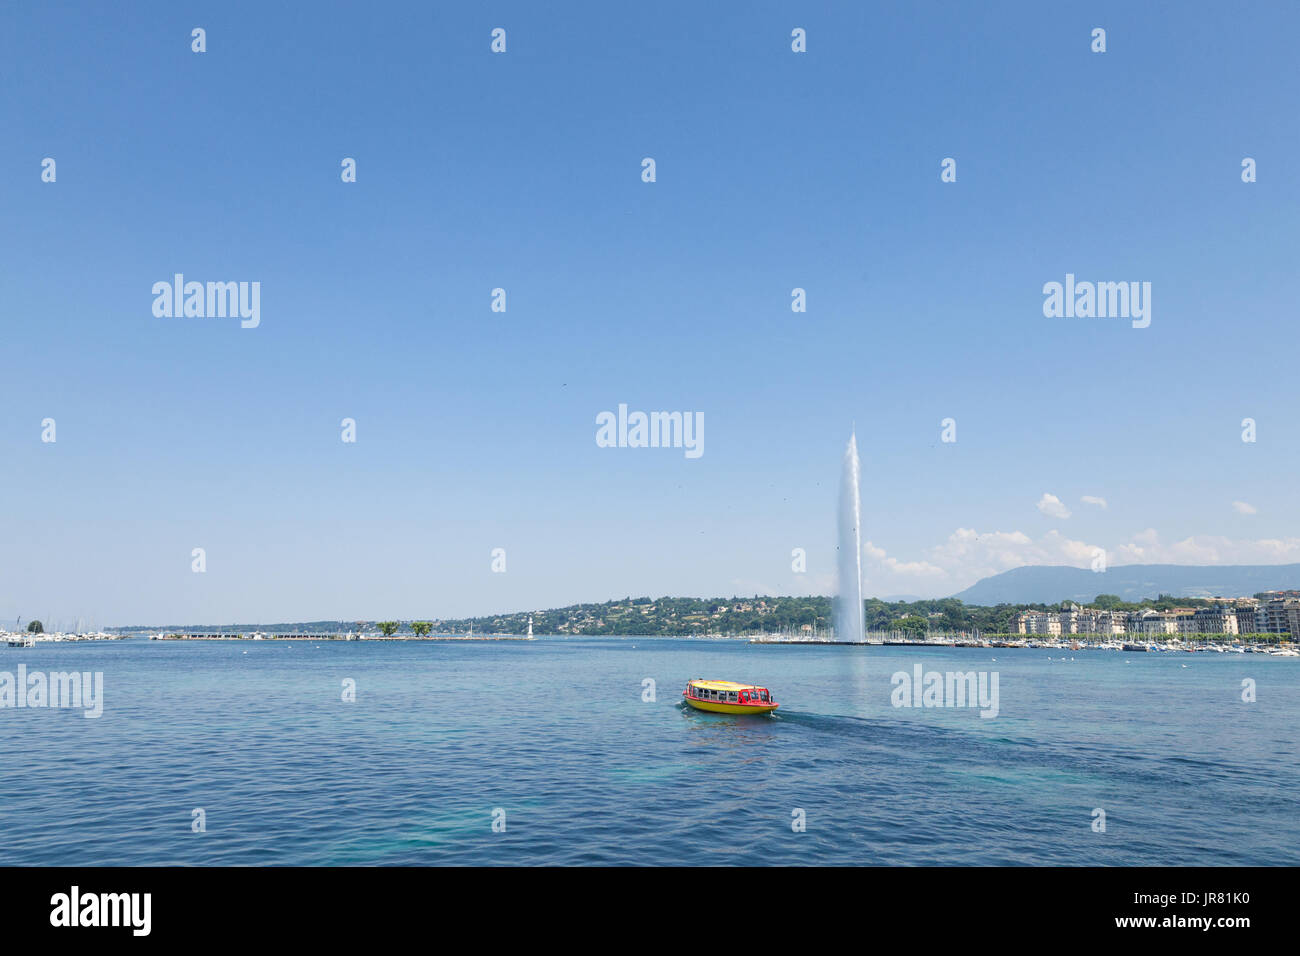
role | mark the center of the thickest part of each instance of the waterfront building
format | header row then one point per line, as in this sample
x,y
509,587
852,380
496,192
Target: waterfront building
x,y
1214,620
1247,618
1280,615
1111,623
1150,623
1036,622
1070,618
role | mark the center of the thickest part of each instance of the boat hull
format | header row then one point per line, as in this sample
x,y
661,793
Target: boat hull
x,y
716,708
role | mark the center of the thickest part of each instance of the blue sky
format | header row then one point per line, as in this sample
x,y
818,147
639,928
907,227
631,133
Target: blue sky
x,y
522,170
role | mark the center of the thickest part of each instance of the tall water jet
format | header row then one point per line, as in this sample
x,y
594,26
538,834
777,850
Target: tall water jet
x,y
848,610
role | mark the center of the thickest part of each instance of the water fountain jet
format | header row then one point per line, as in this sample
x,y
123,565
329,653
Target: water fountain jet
x,y
848,610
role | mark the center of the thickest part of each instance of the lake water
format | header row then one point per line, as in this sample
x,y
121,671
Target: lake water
x,y
555,733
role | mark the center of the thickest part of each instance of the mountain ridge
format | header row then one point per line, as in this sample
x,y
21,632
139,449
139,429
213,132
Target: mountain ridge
x,y
1049,584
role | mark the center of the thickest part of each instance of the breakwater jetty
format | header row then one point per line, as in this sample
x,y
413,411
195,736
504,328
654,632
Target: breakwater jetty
x,y
226,636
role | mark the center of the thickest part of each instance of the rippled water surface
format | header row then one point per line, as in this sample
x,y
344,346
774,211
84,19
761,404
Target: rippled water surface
x,y
556,734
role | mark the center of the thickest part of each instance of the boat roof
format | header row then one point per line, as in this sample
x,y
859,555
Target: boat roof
x,y
721,685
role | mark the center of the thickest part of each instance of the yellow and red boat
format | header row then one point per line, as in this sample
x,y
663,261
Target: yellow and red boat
x,y
728,697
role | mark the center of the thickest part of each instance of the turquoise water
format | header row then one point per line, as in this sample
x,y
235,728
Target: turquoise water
x,y
555,733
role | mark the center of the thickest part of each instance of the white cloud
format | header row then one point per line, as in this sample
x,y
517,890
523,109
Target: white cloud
x,y
968,555
1093,500
1243,509
1051,506
1147,548
893,566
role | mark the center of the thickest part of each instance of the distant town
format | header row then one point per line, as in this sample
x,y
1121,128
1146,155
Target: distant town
x,y
1269,615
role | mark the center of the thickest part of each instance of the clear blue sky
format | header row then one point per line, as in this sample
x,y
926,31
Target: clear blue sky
x,y
476,429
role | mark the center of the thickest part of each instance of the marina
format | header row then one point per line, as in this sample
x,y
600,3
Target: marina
x,y
1212,644
23,639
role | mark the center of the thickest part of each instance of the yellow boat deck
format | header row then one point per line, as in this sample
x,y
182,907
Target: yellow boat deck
x,y
728,697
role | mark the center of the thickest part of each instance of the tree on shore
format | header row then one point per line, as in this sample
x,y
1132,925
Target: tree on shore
x,y
911,624
421,628
35,627
388,627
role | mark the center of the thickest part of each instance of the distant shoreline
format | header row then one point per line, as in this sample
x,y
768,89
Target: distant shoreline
x,y
1201,643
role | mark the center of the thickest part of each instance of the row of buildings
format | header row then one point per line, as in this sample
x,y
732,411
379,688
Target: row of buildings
x,y
1277,613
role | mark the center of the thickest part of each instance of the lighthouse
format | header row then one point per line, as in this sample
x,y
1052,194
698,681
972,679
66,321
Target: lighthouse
x,y
530,627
